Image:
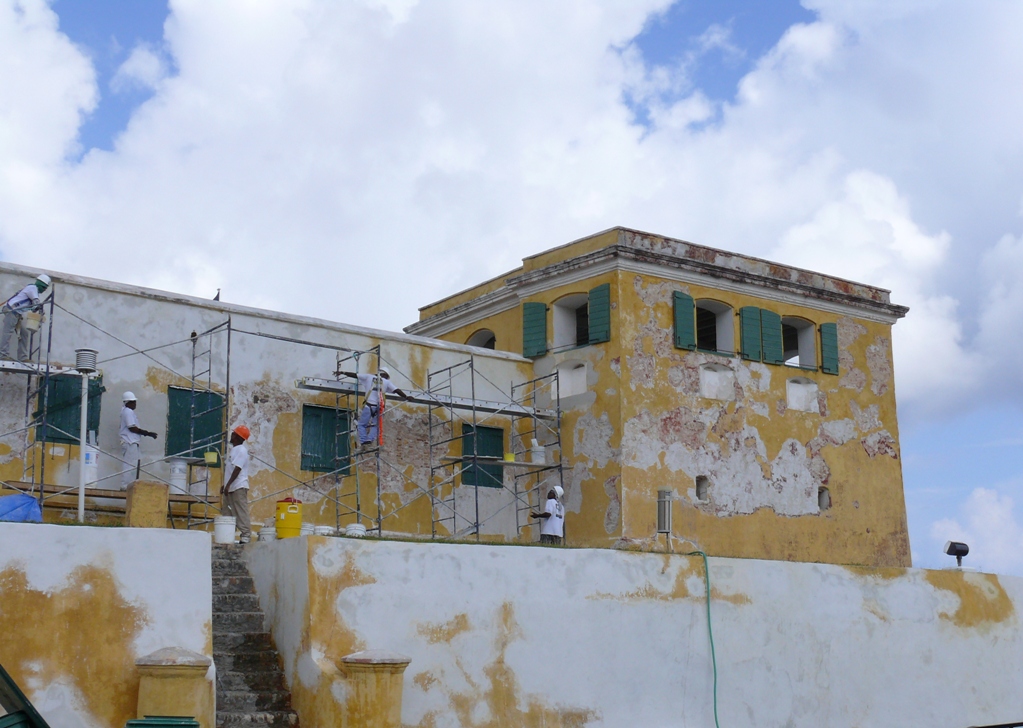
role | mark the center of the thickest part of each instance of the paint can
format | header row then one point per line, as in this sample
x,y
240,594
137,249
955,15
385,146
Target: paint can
x,y
223,529
289,518
355,530
31,321
179,476
267,534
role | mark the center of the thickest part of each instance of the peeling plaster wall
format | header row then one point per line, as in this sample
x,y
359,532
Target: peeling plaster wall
x,y
78,605
506,635
765,462
263,395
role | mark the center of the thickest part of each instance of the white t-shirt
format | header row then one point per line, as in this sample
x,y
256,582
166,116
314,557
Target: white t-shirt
x,y
239,458
369,383
25,298
129,419
555,525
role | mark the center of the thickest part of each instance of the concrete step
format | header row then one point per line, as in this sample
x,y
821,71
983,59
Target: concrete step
x,y
235,603
233,585
229,567
238,622
252,681
263,719
241,701
227,642
247,662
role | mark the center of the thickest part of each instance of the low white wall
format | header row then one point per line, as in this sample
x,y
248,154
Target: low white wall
x,y
78,605
506,635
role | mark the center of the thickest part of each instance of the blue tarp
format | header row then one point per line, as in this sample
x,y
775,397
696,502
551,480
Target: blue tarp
x,y
20,508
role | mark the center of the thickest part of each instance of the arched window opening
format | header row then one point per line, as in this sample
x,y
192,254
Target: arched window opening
x,y
702,487
571,321
484,338
823,499
715,327
799,342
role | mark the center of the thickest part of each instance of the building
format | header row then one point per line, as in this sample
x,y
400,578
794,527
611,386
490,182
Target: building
x,y
756,400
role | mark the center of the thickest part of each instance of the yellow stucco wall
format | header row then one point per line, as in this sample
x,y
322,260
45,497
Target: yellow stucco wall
x,y
641,388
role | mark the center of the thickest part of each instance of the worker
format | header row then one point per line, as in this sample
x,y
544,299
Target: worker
x,y
235,491
131,435
25,300
372,386
552,527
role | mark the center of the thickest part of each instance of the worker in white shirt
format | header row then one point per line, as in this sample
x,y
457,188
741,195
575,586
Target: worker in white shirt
x,y
371,386
552,527
131,435
14,309
235,491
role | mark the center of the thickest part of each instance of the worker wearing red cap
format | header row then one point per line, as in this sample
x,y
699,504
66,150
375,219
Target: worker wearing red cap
x,y
235,492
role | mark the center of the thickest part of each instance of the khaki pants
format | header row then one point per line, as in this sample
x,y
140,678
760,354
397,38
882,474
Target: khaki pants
x,y
236,503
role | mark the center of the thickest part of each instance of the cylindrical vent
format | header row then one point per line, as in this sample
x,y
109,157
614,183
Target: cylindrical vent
x,y
85,360
664,511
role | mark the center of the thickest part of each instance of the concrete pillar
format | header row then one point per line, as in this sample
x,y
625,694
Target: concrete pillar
x,y
375,680
172,682
146,505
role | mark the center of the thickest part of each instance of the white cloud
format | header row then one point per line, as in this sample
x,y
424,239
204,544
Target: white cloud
x,y
380,155
143,68
992,529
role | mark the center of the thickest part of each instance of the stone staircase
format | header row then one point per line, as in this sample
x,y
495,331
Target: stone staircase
x,y
251,690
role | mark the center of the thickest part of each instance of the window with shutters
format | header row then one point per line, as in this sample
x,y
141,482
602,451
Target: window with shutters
x,y
487,442
581,319
195,422
64,408
484,338
799,343
325,439
715,328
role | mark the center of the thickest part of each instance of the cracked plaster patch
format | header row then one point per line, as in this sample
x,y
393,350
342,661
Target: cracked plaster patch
x,y
593,439
880,443
879,365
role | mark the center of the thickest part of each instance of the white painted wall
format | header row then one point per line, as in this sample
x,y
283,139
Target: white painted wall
x,y
167,574
624,636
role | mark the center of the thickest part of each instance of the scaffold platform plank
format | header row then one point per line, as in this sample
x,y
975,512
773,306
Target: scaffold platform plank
x,y
513,409
19,367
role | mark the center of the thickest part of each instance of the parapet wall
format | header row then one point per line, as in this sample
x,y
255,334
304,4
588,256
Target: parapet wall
x,y
78,606
515,635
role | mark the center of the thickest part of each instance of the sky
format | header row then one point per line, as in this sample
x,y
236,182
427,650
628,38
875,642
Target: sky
x,y
354,161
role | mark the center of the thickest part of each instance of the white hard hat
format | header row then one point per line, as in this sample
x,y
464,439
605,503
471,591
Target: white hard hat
x,y
559,491
385,370
128,397
44,279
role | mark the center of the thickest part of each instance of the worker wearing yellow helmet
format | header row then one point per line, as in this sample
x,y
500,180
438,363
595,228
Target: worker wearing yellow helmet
x,y
14,309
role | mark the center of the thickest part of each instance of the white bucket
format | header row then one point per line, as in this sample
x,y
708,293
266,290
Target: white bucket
x,y
179,476
323,531
538,455
91,464
223,529
268,534
355,530
306,530
31,321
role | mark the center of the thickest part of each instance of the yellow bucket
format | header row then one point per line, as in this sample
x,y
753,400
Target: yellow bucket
x,y
289,518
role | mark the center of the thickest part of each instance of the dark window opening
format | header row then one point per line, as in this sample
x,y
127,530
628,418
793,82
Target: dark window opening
x,y
706,329
702,487
582,325
790,341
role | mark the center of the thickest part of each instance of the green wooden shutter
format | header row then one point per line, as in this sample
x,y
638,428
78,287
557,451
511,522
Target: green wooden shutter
x,y
534,329
685,320
829,348
325,439
209,422
489,444
64,408
600,314
749,327
771,338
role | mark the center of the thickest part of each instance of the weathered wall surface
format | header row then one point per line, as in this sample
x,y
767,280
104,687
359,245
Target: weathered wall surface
x,y
765,461
511,635
79,605
263,395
